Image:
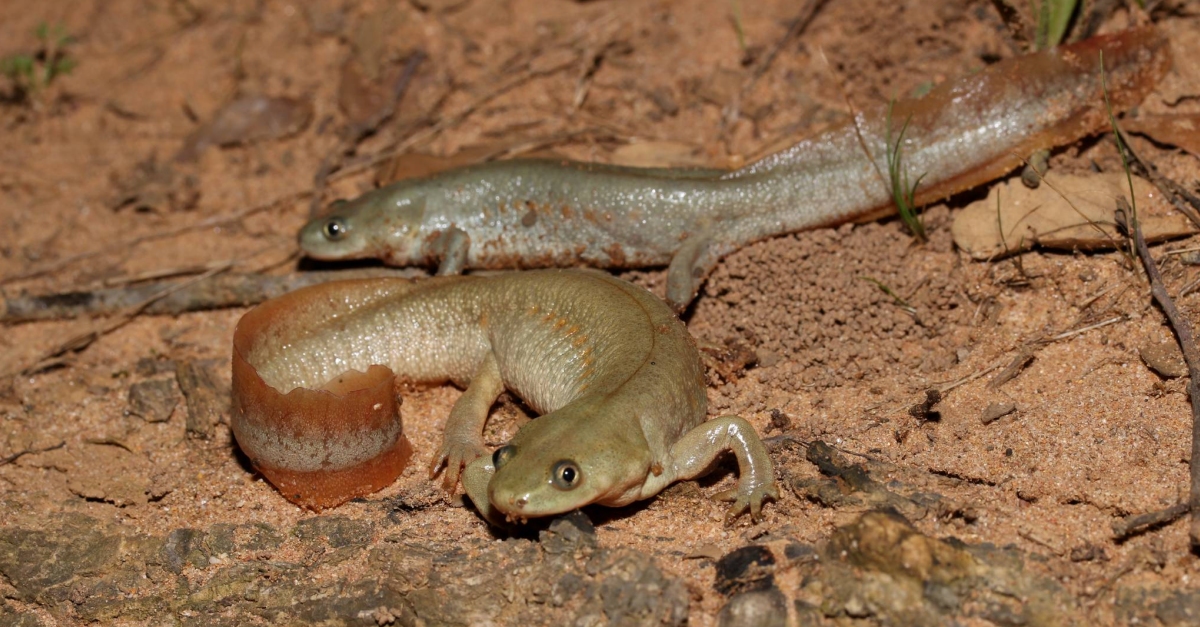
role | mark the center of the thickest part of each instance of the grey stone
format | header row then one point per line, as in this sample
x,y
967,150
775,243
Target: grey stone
x,y
760,608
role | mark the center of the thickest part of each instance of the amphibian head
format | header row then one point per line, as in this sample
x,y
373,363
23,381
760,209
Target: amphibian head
x,y
549,470
384,223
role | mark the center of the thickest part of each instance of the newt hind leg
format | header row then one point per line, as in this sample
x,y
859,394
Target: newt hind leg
x,y
694,260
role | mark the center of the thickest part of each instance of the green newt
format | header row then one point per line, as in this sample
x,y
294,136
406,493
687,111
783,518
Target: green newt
x,y
614,373
538,213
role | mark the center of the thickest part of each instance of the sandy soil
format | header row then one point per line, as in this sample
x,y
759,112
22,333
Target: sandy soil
x,y
1096,435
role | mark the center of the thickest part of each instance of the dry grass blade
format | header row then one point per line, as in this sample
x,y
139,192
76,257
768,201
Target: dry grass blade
x,y
125,245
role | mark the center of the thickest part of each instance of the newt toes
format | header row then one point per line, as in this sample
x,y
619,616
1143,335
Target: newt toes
x,y
531,213
613,372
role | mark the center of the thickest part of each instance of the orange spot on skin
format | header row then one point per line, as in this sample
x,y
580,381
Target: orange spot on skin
x,y
579,341
616,255
560,323
656,469
572,330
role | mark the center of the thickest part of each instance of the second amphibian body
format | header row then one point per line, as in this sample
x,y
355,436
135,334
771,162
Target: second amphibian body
x,y
529,213
613,372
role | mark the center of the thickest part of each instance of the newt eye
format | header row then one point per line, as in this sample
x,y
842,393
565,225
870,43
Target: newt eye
x,y
565,475
502,455
334,229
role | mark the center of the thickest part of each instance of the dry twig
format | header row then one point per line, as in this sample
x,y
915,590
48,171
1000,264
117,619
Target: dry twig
x,y
1133,525
1187,344
56,356
176,297
795,28
1187,203
31,451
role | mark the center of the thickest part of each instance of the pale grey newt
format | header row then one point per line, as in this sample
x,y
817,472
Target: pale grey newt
x,y
614,373
530,213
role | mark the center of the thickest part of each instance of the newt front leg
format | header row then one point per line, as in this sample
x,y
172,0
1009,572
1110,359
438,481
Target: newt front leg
x,y
462,440
451,248
694,454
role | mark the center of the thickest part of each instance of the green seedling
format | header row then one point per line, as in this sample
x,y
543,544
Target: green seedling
x,y
1112,121
31,73
1053,18
735,6
903,194
899,302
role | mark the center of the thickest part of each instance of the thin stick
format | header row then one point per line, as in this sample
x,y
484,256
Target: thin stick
x,y
1172,190
797,26
1187,344
54,356
229,290
1131,525
1072,333
453,120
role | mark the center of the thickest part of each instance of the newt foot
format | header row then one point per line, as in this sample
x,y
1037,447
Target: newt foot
x,y
453,457
751,498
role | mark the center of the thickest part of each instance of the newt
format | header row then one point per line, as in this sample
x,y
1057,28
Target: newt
x,y
613,373
544,213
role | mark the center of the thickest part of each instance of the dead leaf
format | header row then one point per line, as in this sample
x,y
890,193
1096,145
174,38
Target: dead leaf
x,y
418,165
247,120
1066,212
155,187
359,99
1181,130
368,103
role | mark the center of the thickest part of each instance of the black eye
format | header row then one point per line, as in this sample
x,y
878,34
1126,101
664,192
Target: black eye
x,y
335,229
565,475
503,454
